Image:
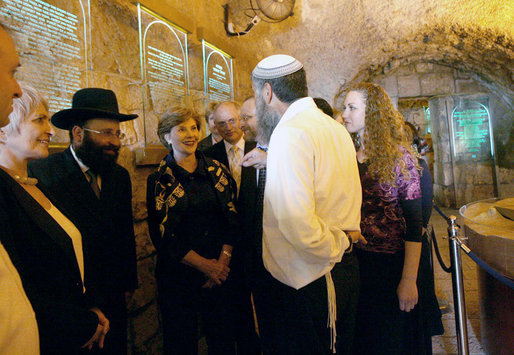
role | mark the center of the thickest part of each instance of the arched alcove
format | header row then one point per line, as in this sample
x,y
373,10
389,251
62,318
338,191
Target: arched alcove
x,y
443,62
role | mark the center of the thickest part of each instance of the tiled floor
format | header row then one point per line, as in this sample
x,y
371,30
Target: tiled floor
x,y
447,343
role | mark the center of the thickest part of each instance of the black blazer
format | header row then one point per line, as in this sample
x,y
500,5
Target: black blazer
x,y
106,224
247,194
205,143
43,254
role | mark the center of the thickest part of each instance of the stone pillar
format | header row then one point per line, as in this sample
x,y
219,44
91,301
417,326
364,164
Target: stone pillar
x,y
444,191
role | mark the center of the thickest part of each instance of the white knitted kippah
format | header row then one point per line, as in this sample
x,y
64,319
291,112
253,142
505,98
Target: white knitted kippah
x,y
276,66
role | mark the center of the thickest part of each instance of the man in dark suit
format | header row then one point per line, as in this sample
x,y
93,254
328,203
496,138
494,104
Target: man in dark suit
x,y
232,148
214,137
86,180
230,151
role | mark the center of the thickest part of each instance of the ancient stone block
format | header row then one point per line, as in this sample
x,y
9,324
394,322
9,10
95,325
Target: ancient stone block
x,y
144,245
466,86
153,346
409,86
146,293
444,196
145,326
390,85
506,190
139,191
437,84
481,192
424,67
482,173
506,176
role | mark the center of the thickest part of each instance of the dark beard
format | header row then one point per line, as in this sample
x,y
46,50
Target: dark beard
x,y
93,156
267,120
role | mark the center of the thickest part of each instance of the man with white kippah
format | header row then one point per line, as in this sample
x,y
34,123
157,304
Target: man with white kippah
x,y
312,198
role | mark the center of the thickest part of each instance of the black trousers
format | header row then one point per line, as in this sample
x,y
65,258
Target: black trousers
x,y
247,340
346,281
291,321
180,305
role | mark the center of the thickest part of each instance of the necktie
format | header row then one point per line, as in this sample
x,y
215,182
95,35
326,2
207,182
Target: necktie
x,y
235,165
93,183
259,209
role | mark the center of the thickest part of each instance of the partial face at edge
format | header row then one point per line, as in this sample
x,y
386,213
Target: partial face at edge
x,y
249,120
9,63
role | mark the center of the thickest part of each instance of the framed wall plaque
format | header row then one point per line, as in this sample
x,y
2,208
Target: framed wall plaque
x,y
471,123
53,41
164,68
218,74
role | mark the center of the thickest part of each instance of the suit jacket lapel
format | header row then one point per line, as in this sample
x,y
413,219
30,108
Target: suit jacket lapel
x,y
40,217
249,174
222,153
79,187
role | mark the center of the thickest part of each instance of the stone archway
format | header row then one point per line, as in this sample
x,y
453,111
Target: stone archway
x,y
452,61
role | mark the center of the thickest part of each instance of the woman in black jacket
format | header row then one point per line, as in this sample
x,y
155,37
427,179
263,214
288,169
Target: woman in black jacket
x,y
43,244
192,223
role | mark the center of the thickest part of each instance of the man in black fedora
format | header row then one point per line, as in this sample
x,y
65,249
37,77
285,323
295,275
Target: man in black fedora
x,y
97,193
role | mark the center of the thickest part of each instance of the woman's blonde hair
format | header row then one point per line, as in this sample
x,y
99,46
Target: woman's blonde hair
x,y
383,135
173,117
23,106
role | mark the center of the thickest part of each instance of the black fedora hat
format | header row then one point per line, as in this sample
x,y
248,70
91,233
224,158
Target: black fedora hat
x,y
88,104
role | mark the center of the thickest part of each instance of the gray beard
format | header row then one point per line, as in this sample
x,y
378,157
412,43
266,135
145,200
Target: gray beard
x,y
267,120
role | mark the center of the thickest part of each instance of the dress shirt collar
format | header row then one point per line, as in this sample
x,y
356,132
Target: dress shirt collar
x,y
85,168
240,144
82,166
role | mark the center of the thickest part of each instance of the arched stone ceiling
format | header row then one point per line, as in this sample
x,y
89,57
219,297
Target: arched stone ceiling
x,y
340,41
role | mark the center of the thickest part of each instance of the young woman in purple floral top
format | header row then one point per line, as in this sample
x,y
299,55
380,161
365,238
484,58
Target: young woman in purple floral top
x,y
388,318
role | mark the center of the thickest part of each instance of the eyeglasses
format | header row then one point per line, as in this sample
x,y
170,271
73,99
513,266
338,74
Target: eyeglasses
x,y
224,124
107,134
246,118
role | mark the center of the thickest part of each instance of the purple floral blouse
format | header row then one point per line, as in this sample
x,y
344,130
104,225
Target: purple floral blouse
x,y
382,221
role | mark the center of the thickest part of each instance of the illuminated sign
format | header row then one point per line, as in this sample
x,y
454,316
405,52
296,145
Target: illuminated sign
x,y
471,130
217,69
164,62
52,43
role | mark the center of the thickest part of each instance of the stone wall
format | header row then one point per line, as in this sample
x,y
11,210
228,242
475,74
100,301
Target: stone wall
x,y
455,184
415,49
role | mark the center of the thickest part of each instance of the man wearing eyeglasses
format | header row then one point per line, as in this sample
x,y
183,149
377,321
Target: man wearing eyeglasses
x,y
97,195
230,151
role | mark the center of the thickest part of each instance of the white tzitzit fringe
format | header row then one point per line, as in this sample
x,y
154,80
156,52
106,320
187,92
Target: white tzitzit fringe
x,y
332,311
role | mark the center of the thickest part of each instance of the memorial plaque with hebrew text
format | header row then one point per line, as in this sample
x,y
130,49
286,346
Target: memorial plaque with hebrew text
x,y
165,76
49,37
51,42
471,128
218,75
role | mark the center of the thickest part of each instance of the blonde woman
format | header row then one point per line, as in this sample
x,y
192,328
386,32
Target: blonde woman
x,y
44,246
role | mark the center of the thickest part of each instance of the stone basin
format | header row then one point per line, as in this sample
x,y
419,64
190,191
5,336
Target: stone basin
x,y
491,237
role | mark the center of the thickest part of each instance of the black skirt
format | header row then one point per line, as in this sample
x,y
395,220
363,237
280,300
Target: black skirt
x,y
381,327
